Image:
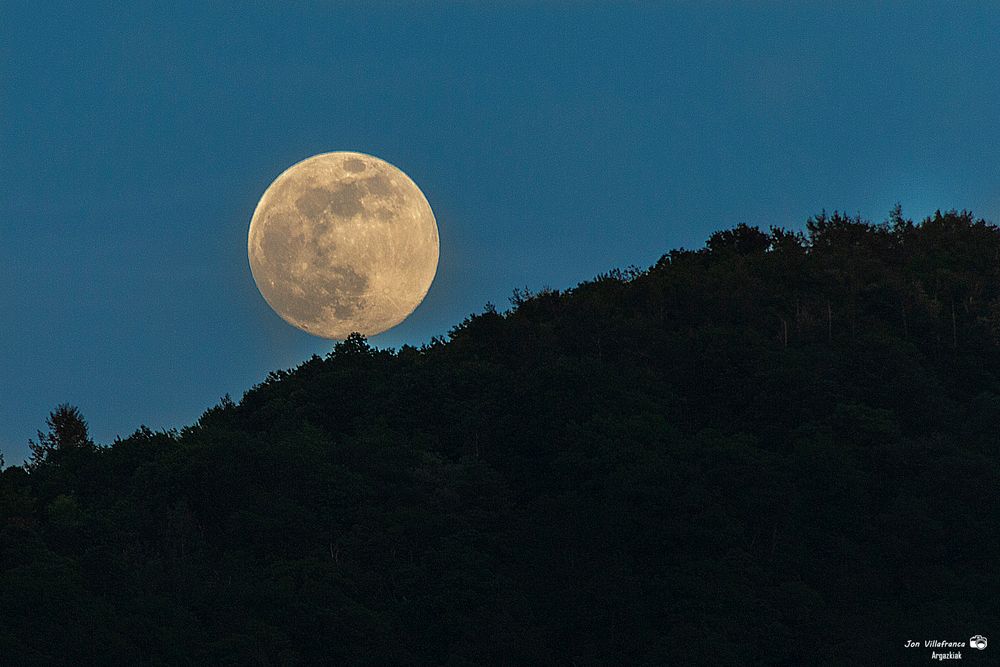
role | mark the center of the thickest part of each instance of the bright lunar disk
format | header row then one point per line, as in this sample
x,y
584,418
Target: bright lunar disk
x,y
343,242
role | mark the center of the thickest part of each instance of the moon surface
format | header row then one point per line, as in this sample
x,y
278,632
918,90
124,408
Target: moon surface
x,y
343,242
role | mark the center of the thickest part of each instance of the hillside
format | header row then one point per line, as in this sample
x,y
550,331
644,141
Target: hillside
x,y
781,448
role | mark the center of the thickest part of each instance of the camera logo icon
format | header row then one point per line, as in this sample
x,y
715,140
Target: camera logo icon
x,y
978,642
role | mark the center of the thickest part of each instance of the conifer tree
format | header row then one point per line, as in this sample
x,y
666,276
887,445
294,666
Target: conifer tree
x,y
67,432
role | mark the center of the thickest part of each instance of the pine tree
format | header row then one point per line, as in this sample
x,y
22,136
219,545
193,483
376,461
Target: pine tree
x,y
67,432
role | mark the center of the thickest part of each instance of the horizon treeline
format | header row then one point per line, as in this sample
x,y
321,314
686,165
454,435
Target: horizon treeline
x,y
781,448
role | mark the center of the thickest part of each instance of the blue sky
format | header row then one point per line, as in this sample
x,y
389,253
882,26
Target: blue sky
x,y
554,141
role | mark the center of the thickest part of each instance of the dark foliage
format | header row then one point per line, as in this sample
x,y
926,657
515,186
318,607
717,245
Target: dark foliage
x,y
781,449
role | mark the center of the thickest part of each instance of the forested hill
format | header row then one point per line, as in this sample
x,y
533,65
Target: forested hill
x,y
779,449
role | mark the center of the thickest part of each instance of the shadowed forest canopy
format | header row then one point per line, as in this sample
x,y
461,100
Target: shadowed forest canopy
x,y
781,448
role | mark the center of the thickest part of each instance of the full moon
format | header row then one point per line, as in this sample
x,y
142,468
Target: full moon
x,y
343,242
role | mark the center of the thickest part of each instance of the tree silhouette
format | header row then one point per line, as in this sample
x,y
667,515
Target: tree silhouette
x,y
67,432
763,442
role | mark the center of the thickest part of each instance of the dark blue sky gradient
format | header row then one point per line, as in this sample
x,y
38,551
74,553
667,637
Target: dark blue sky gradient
x,y
553,143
